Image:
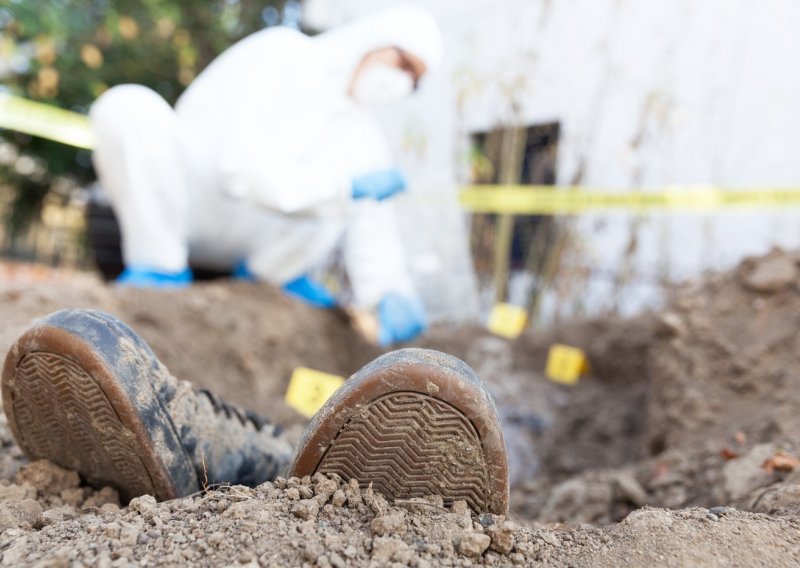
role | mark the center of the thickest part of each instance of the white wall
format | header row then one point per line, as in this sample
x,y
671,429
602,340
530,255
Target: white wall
x,y
648,92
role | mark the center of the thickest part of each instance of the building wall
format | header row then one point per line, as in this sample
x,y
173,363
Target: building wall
x,y
648,93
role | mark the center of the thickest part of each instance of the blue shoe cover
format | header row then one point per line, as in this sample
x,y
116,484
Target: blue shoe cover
x,y
141,277
242,272
311,292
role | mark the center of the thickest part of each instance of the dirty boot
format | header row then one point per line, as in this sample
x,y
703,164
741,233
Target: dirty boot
x,y
82,390
412,423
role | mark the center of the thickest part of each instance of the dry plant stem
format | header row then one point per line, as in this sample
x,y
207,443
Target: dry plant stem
x,y
515,140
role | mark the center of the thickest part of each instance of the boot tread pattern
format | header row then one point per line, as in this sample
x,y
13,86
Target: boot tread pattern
x,y
409,444
64,416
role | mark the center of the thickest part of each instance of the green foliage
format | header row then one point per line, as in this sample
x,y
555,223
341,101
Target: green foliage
x,y
67,52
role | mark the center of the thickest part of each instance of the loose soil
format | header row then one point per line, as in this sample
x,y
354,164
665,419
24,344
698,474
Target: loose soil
x,y
680,447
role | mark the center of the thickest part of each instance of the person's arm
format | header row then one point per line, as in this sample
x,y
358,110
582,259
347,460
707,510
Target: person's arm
x,y
374,254
376,264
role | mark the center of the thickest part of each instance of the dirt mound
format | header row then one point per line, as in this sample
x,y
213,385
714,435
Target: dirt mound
x,y
322,522
693,408
236,338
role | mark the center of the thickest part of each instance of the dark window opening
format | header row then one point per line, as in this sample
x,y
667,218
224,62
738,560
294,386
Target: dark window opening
x,y
526,156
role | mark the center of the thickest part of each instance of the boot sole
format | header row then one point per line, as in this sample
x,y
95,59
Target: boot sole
x,y
77,390
412,423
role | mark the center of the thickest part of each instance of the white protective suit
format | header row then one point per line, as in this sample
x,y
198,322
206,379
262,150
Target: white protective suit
x,y
257,159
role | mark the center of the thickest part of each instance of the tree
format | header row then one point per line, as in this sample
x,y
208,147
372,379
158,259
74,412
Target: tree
x,y
67,52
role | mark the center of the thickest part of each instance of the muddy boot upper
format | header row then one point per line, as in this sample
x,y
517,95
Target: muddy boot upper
x,y
226,443
84,391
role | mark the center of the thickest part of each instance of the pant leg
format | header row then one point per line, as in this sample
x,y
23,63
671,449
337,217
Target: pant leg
x,y
139,163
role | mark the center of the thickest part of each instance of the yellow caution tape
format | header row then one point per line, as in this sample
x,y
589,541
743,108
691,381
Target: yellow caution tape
x,y
566,364
38,119
550,200
507,320
309,389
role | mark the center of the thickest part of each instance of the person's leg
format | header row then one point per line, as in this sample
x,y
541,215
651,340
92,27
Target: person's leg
x,y
139,163
414,422
84,391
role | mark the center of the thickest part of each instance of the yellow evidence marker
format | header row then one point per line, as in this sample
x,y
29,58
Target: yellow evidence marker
x,y
507,320
309,389
566,364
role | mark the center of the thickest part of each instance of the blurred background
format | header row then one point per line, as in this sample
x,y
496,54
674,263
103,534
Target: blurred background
x,y
621,94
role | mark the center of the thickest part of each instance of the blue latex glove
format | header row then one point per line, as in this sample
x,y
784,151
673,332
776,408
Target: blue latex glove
x,y
400,318
311,292
143,277
379,185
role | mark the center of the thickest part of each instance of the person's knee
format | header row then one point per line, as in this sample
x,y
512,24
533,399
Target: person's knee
x,y
124,103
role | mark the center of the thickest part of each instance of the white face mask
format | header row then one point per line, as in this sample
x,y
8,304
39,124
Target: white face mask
x,y
380,84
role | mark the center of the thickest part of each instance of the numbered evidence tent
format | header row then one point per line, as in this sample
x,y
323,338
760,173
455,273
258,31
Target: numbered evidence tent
x,y
619,94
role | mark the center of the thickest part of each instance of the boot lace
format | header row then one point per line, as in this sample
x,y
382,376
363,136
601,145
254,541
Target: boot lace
x,y
244,416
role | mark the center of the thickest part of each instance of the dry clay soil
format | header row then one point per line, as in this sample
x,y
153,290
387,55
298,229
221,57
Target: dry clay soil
x,y
680,448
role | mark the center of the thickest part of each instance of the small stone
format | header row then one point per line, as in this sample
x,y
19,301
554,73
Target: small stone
x,y
474,544
486,519
375,501
293,494
629,488
460,508
305,509
215,539
48,478
336,560
312,551
741,476
384,548
526,548
100,498
394,522
670,324
550,539
72,496
353,494
339,498
326,487
58,560
238,510
266,487
49,517
129,535
280,482
113,530
179,538
13,555
712,517
771,273
110,508
143,504
15,492
502,538
350,551
436,500
721,511
26,511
